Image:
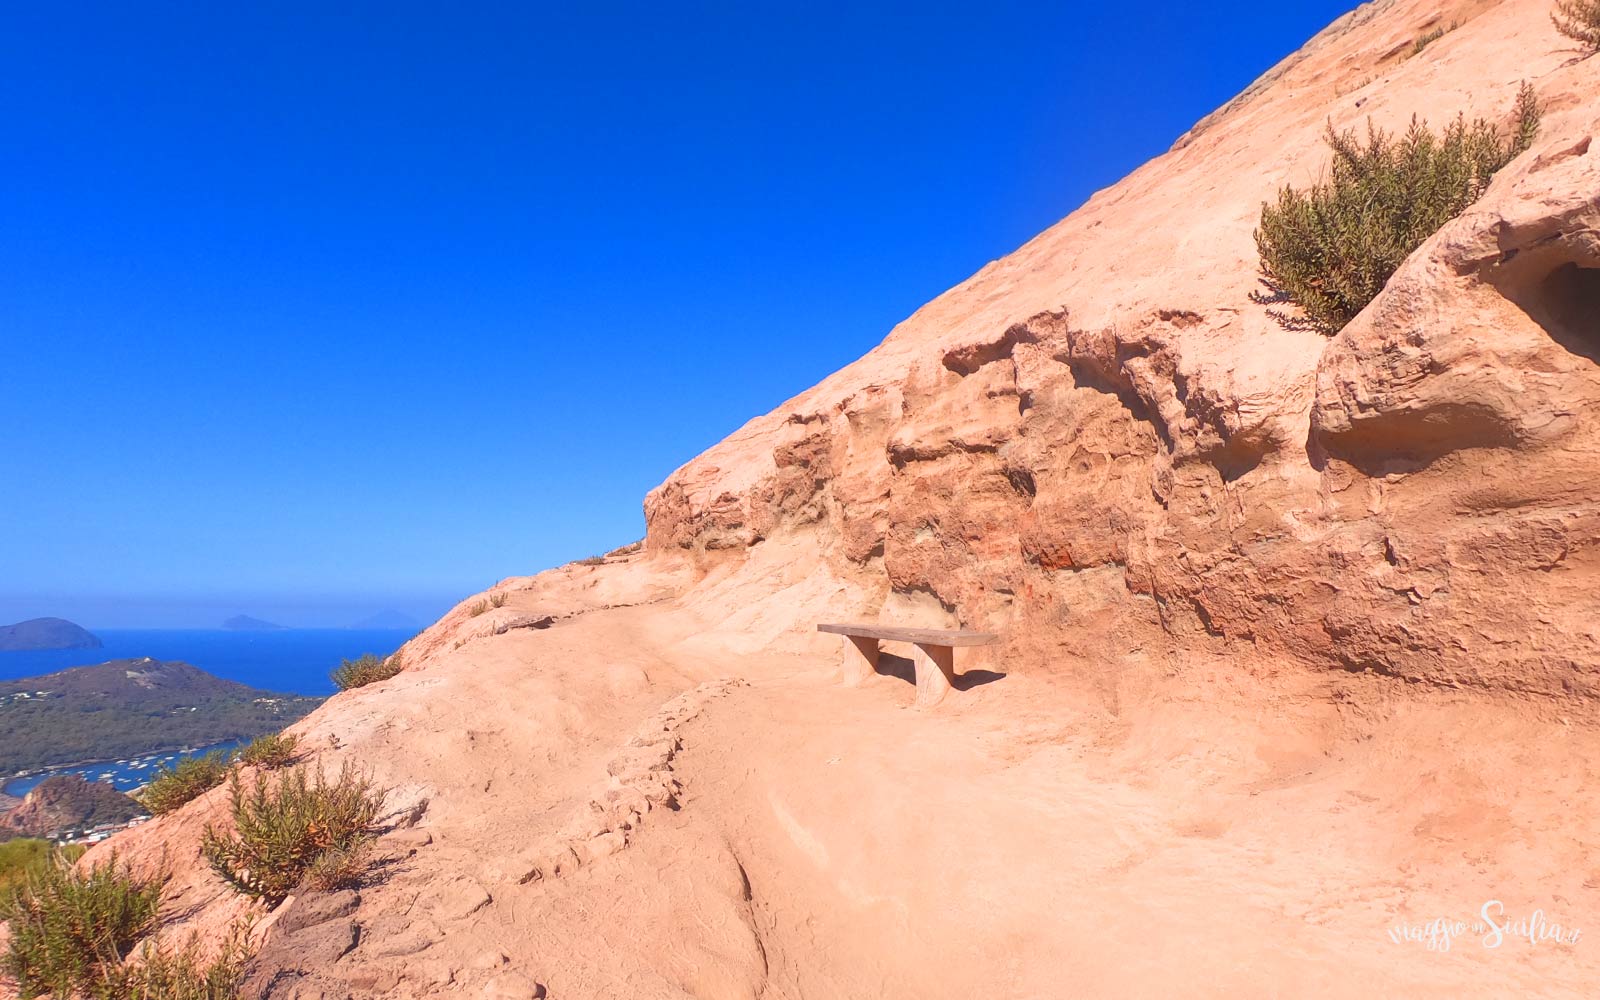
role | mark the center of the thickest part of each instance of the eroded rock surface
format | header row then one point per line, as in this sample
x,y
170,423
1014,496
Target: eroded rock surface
x,y
1102,428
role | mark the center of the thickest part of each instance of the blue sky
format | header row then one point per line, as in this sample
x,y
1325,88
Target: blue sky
x,y
309,313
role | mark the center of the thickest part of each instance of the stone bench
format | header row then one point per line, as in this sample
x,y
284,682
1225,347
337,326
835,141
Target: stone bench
x,y
934,657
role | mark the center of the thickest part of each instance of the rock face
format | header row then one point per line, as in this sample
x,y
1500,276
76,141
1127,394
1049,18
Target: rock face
x,y
47,633
68,802
1100,440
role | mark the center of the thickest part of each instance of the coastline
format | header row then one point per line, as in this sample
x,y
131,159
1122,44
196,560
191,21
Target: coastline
x,y
149,761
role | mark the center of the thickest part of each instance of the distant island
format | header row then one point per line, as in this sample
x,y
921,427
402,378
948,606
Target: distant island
x,y
47,633
129,708
388,620
244,623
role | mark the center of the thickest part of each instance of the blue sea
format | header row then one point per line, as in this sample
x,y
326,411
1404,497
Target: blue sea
x,y
291,661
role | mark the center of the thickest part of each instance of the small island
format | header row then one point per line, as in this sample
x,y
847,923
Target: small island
x,y
394,620
244,623
47,633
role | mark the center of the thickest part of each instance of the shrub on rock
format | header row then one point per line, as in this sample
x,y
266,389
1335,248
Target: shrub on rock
x,y
184,781
159,972
1579,20
1330,249
70,930
283,829
271,751
367,669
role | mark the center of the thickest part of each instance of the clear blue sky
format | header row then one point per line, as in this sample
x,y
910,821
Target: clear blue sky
x,y
308,313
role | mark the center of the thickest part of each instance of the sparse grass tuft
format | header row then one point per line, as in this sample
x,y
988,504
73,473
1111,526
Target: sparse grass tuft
x,y
271,751
184,781
1579,20
592,561
1331,249
70,930
499,600
478,609
283,828
364,670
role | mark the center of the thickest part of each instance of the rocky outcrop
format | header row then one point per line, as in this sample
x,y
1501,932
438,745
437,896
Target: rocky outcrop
x,y
64,803
1100,443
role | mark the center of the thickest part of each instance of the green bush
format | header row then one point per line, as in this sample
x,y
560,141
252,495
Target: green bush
x,y
366,669
283,829
160,973
1579,20
271,751
70,930
21,858
340,868
184,781
1331,249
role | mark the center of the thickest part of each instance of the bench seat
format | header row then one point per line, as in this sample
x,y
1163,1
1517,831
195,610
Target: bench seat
x,y
896,633
934,655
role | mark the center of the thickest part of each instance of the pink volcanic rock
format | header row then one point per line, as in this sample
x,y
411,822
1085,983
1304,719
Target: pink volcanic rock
x,y
1102,426
1300,634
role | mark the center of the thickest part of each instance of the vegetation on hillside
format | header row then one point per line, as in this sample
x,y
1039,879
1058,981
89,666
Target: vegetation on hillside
x,y
341,867
76,934
365,669
1423,41
70,930
270,751
283,829
1330,249
157,972
184,781
1579,20
129,708
24,857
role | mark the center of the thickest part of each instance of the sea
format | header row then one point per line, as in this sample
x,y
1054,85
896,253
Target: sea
x,y
288,661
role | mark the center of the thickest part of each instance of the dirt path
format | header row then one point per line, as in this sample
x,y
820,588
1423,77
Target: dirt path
x,y
1012,845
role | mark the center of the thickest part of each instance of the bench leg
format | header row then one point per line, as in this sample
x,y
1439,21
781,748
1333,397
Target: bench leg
x,y
860,659
936,668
